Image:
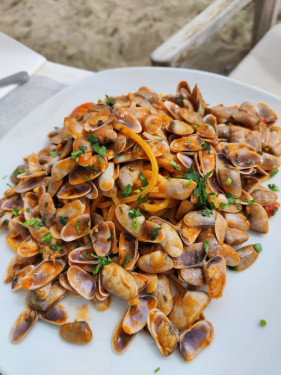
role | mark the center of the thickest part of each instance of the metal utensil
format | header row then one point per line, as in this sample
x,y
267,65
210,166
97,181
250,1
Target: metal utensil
x,y
17,78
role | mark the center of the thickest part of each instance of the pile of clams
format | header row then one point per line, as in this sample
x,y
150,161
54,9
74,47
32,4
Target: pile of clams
x,y
145,197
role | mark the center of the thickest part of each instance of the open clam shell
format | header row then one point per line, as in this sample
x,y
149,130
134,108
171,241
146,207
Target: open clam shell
x,y
162,331
195,339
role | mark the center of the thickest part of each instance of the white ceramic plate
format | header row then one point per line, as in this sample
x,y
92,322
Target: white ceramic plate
x,y
240,345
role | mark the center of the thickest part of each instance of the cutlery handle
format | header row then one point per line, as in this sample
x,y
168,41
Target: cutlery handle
x,y
16,78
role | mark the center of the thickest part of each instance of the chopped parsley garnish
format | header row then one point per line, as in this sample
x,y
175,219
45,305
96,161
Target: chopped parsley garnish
x,y
273,187
206,146
137,191
76,154
249,202
101,150
47,238
223,205
84,255
274,172
138,149
144,181
86,177
262,323
165,297
231,199
133,214
228,181
157,369
102,261
120,153
56,247
63,219
206,212
20,171
274,212
15,211
188,182
77,226
10,186
126,260
109,239
141,200
195,126
27,209
110,101
200,191
206,246
232,268
35,223
256,190
175,165
46,204
250,162
258,247
54,153
99,159
197,257
154,233
127,191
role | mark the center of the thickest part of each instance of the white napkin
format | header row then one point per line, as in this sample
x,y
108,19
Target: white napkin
x,y
15,57
25,99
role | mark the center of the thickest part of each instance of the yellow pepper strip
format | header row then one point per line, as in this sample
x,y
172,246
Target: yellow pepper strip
x,y
12,243
131,134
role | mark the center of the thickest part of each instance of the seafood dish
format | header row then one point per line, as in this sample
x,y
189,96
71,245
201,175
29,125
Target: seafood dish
x,y
147,197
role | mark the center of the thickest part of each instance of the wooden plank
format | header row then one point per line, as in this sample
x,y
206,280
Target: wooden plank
x,y
196,32
266,12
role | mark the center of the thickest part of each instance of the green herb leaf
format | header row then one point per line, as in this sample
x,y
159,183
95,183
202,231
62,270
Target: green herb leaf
x,y
206,212
19,171
188,182
223,205
273,187
165,297
133,213
47,238
127,191
206,246
102,261
141,200
126,260
86,177
35,223
99,159
157,369
54,153
56,247
27,209
77,226
135,223
144,181
262,323
274,172
258,247
110,101
175,165
63,219
197,258
15,211
232,268
274,212
154,233
249,202
228,181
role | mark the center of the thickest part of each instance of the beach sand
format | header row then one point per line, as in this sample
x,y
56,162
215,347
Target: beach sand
x,y
97,35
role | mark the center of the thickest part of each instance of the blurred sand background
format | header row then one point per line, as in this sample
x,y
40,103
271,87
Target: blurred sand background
x,y
102,34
